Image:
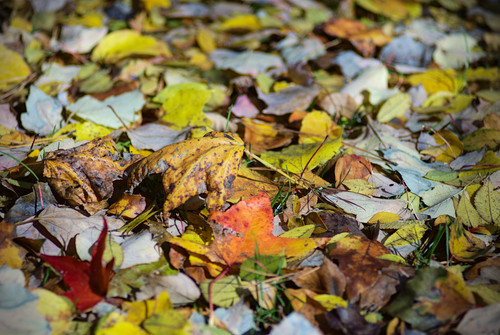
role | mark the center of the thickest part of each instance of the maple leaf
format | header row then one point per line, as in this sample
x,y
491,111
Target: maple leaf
x,y
246,229
202,165
88,282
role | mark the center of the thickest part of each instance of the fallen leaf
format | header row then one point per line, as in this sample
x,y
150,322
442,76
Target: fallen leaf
x,y
431,298
85,174
202,165
263,136
124,105
9,252
435,80
371,280
300,157
246,229
350,167
43,113
288,99
487,203
125,43
357,33
14,69
180,114
455,50
316,126
88,282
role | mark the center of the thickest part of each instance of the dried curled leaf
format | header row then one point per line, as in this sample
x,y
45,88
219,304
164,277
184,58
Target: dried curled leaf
x,y
85,174
203,165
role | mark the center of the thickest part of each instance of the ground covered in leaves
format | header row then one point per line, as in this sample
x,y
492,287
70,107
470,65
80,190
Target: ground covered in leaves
x,y
249,167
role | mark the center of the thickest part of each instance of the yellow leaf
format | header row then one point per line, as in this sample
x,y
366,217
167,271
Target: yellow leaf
x,y
205,40
463,245
294,158
21,23
398,11
487,202
454,147
435,80
125,43
202,165
183,105
138,311
56,309
384,217
14,69
9,253
360,186
409,234
168,322
91,19
243,22
330,302
482,73
395,107
115,323
316,126
150,4
299,232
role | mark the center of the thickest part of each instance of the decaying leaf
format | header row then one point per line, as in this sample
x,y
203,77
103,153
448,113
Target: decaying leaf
x,y
371,280
434,296
85,174
203,165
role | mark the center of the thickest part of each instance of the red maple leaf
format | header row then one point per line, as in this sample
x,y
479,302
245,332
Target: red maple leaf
x,y
88,282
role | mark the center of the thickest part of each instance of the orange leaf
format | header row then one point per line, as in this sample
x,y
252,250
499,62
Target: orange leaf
x,y
247,227
352,167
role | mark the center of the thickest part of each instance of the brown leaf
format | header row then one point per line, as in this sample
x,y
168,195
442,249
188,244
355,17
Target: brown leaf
x,y
352,167
357,33
203,165
370,279
85,174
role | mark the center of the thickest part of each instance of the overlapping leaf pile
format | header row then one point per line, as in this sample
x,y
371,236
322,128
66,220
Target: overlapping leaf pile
x,y
230,167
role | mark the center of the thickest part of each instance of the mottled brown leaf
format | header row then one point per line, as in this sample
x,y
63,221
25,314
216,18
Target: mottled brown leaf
x,y
202,165
84,174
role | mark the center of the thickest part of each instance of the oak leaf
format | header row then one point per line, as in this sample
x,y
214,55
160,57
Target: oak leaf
x,y
202,165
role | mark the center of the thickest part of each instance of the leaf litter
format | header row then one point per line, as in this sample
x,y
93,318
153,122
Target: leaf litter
x,y
363,197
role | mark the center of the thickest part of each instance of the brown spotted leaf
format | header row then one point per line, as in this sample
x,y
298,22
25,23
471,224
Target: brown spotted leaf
x,y
202,165
84,175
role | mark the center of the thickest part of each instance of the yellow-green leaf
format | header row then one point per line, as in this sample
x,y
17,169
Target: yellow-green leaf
x,y
294,158
409,234
395,107
468,213
224,291
489,138
487,202
183,105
